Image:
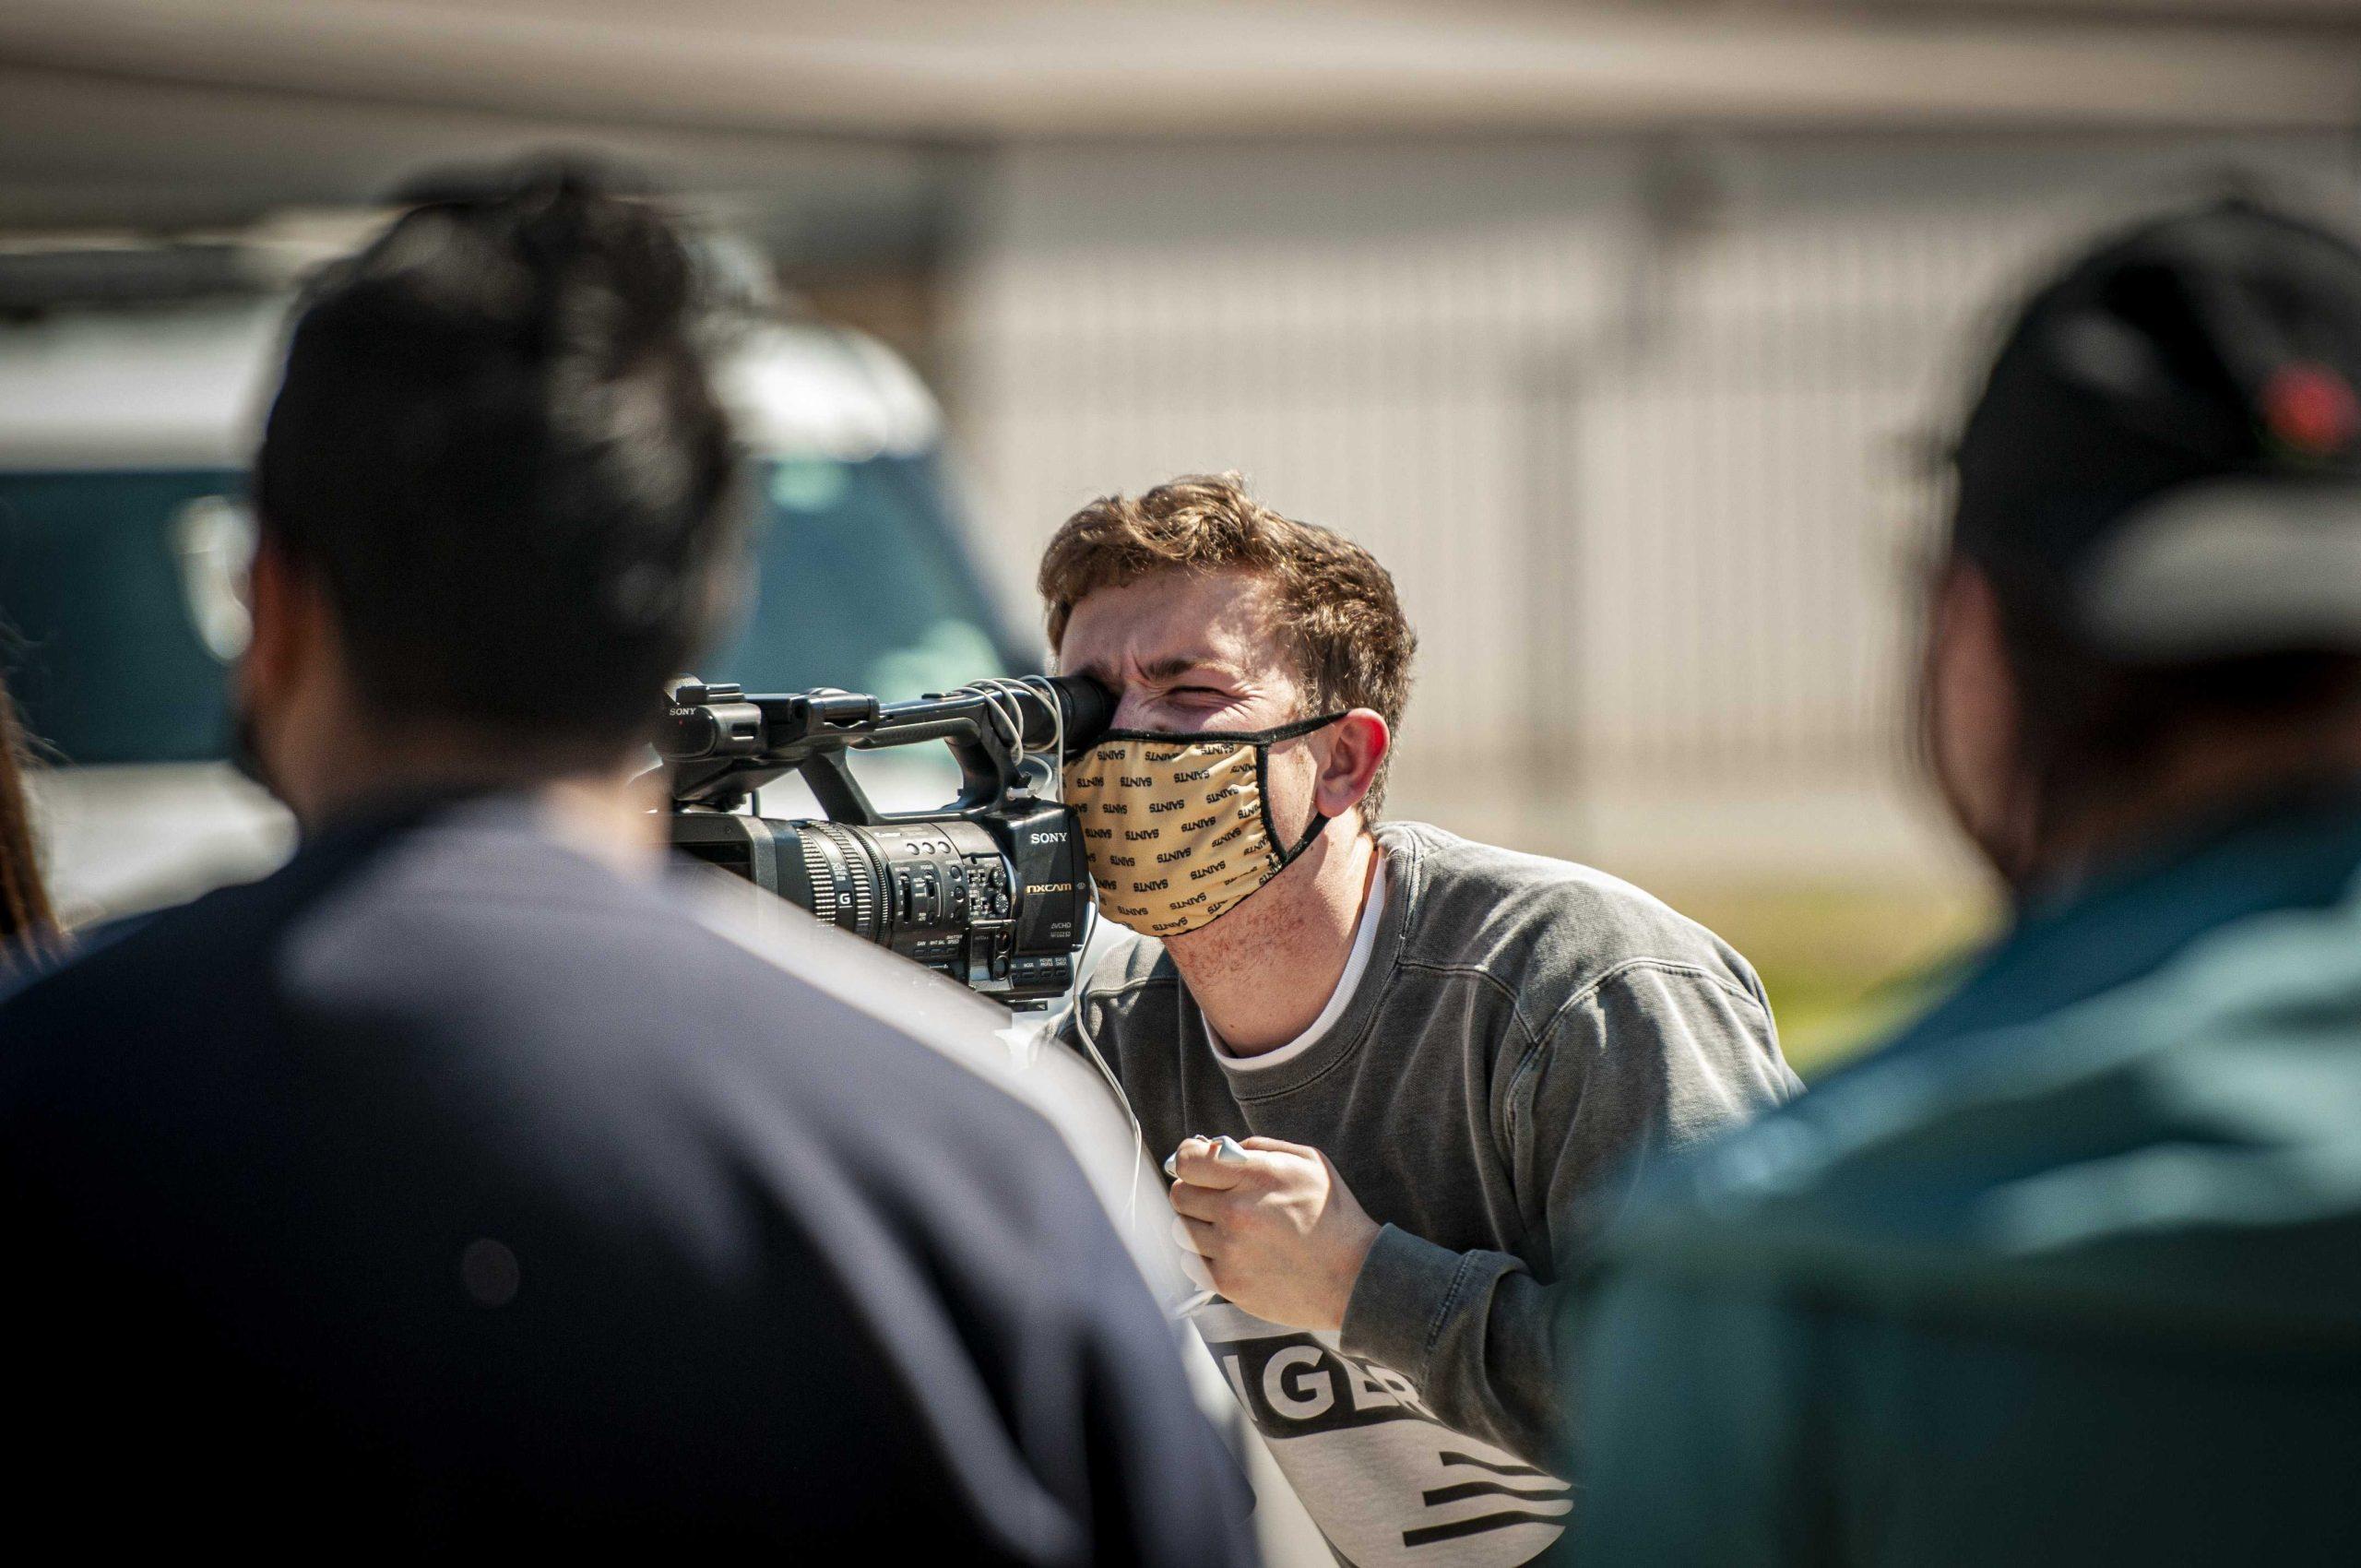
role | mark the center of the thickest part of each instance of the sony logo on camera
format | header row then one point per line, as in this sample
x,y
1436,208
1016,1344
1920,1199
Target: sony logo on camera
x,y
1058,837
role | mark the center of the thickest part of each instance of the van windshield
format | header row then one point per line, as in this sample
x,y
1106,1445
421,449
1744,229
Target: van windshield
x,y
119,612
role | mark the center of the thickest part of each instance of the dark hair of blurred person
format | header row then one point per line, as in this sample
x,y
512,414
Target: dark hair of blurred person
x,y
2070,1269
458,1186
495,497
27,922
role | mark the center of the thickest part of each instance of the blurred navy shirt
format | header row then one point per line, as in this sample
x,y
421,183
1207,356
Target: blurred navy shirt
x,y
450,1190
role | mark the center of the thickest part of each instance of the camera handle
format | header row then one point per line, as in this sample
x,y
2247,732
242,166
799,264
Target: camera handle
x,y
724,747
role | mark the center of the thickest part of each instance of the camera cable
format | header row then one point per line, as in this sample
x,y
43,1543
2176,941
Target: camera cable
x,y
1002,696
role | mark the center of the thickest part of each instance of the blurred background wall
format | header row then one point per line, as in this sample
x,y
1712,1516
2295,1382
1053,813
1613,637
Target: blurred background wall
x,y
1648,427
1626,334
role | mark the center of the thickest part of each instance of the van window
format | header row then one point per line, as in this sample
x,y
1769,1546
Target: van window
x,y
119,615
863,584
106,655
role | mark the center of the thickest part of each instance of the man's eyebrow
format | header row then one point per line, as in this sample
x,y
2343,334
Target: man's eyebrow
x,y
1173,667
1160,669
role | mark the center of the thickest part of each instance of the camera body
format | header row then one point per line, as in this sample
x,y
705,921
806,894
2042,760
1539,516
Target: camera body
x,y
992,890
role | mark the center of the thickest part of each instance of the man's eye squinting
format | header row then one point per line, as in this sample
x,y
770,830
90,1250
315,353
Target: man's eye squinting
x,y
1198,697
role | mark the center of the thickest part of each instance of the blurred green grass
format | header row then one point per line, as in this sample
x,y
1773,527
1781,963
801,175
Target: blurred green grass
x,y
1844,965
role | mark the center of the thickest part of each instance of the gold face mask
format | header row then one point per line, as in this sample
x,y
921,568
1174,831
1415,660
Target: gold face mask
x,y
1178,828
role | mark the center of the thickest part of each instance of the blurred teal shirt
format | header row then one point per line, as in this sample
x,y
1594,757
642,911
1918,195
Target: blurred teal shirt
x,y
2068,1272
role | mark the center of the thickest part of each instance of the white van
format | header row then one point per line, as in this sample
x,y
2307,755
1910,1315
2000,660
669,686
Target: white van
x,y
124,433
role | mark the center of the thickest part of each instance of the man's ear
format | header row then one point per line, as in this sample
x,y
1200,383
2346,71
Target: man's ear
x,y
1359,744
292,659
277,599
1973,714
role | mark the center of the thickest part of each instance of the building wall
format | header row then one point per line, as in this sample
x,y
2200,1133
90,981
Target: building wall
x,y
1645,431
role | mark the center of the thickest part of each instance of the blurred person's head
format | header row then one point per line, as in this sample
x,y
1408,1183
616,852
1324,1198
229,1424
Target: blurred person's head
x,y
496,500
2151,604
26,924
1203,610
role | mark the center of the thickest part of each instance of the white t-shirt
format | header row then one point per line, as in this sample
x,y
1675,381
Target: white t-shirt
x,y
1356,965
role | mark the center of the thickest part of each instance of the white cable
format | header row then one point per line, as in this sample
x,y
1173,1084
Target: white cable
x,y
1207,1298
1049,692
998,703
1139,1135
1057,743
1001,695
1090,1046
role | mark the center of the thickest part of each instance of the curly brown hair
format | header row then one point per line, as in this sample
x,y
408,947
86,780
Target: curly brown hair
x,y
1343,622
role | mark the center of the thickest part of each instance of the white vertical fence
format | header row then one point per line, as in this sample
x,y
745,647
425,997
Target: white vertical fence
x,y
1642,431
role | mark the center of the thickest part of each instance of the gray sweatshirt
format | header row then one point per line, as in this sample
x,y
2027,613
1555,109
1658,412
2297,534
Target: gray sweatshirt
x,y
1525,1030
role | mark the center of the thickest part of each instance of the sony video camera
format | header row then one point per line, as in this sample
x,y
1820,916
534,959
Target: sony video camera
x,y
990,890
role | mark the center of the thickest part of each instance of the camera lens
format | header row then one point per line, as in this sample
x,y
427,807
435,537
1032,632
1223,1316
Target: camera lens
x,y
844,877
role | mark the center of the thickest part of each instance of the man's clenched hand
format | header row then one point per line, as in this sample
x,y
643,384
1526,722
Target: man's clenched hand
x,y
1281,1234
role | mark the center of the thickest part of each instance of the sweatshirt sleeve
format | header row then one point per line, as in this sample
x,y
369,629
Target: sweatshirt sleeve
x,y
1653,1059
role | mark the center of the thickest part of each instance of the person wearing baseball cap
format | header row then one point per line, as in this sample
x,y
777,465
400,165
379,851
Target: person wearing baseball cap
x,y
2071,1270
